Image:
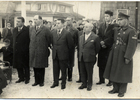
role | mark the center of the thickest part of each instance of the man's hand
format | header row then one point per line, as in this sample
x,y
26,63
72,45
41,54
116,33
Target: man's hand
x,y
127,61
102,42
103,46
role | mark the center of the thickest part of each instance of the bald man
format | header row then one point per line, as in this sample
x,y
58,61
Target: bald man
x,y
89,46
39,49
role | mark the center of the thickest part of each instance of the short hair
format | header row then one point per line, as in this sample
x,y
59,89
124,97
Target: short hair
x,y
30,21
45,22
9,22
74,21
62,20
109,12
39,17
22,19
7,41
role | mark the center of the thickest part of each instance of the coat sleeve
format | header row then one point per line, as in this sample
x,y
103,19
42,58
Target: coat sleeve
x,y
97,45
131,46
49,37
3,32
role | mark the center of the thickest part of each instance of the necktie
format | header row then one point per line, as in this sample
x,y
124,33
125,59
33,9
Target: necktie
x,y
37,28
58,33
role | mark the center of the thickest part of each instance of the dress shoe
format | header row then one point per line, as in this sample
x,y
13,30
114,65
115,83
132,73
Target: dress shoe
x,y
89,88
109,84
35,84
120,94
41,84
82,87
113,92
27,81
19,81
63,86
79,81
69,79
54,85
99,83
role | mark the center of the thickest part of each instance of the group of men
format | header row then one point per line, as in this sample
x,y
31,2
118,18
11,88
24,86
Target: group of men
x,y
115,45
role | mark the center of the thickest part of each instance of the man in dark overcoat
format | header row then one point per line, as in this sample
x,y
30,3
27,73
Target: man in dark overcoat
x,y
63,45
119,66
106,31
40,39
21,50
74,33
89,46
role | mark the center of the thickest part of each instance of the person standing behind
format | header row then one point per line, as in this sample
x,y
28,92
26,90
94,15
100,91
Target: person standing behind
x,y
119,68
21,51
89,46
63,45
7,32
106,40
74,33
40,39
30,24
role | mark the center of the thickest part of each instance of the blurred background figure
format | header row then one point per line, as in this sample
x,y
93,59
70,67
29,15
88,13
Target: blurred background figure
x,y
30,24
7,32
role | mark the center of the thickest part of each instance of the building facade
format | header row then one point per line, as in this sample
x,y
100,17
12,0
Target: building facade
x,y
49,10
131,8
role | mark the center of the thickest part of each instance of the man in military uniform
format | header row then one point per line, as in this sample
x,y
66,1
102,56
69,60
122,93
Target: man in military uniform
x,y
120,62
105,34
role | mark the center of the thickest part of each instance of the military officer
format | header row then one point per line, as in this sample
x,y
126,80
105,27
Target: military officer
x,y
120,62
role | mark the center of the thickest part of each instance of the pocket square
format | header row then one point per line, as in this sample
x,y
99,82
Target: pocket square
x,y
92,41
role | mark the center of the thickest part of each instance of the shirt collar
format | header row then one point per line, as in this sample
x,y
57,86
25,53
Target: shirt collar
x,y
61,30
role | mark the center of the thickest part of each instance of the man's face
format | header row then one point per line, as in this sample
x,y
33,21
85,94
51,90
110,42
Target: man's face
x,y
8,25
59,24
68,21
87,28
30,23
122,22
107,17
19,23
81,26
37,21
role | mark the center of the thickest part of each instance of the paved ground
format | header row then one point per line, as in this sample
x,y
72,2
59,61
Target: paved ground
x,y
27,91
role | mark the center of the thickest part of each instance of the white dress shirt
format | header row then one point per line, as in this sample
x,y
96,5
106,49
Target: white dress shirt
x,y
87,36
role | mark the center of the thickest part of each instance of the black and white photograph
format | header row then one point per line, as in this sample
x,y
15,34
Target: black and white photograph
x,y
69,49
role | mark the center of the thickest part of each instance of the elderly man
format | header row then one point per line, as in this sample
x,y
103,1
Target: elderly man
x,y
120,62
89,46
21,50
40,42
63,45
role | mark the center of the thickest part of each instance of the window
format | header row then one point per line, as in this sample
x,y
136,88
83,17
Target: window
x,y
62,9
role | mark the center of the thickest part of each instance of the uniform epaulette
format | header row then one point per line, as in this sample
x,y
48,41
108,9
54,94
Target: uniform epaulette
x,y
132,27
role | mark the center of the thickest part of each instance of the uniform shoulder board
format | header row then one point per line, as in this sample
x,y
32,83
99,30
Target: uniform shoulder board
x,y
132,27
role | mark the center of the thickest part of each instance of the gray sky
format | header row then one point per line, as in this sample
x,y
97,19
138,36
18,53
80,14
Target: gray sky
x,y
90,9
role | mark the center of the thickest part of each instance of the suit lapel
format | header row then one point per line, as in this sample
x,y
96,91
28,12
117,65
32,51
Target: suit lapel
x,y
39,30
60,34
19,33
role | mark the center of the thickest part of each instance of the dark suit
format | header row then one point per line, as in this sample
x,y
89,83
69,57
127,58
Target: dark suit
x,y
105,34
21,52
7,54
87,56
62,49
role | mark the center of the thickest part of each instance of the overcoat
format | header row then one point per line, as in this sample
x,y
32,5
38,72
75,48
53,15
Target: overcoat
x,y
105,34
125,43
21,47
3,81
39,46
